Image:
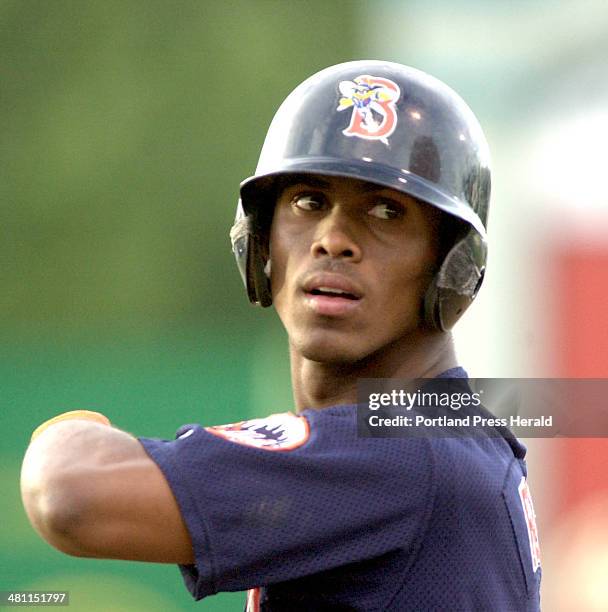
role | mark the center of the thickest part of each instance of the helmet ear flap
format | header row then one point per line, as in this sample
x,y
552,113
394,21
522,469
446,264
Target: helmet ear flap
x,y
443,307
258,282
250,256
456,283
431,306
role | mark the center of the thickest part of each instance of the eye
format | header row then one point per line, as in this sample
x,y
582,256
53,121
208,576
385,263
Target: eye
x,y
387,210
308,202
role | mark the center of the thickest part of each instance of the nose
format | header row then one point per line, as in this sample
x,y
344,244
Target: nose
x,y
336,237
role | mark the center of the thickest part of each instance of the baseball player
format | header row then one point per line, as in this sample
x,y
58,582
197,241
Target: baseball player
x,y
365,226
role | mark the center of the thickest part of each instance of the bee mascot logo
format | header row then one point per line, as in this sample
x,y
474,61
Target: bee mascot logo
x,y
372,99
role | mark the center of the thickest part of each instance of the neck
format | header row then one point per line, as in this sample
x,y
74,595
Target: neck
x,y
319,384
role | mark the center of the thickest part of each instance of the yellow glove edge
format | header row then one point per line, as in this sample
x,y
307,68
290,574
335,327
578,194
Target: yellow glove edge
x,y
87,415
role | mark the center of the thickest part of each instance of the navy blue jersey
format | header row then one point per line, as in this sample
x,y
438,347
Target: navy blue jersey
x,y
307,516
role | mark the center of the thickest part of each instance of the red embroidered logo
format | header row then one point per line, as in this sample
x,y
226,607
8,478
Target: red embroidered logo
x,y
372,99
284,431
526,501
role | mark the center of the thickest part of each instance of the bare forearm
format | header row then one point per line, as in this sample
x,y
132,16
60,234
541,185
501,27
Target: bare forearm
x,y
91,490
59,473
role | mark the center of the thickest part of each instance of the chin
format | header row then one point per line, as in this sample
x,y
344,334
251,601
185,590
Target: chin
x,y
332,357
323,348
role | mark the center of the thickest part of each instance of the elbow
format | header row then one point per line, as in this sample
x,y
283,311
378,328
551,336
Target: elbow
x,y
56,511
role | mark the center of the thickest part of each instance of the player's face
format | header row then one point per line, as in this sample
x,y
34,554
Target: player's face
x,y
351,262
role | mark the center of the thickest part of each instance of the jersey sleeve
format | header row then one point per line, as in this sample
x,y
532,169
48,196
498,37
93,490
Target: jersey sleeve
x,y
260,510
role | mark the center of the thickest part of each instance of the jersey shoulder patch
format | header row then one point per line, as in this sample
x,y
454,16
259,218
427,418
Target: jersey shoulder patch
x,y
277,432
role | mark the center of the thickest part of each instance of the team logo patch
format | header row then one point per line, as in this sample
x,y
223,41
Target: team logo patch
x,y
284,431
372,100
526,501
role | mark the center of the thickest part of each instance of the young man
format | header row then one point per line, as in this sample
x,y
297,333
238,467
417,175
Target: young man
x,y
365,226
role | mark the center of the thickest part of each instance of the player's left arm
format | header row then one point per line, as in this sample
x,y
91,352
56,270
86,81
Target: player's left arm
x,y
91,490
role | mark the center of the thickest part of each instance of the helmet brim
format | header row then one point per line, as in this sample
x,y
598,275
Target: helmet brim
x,y
254,188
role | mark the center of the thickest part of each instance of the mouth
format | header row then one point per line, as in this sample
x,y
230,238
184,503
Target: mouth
x,y
332,292
332,295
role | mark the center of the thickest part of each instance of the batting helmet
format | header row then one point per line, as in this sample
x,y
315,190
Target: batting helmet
x,y
390,125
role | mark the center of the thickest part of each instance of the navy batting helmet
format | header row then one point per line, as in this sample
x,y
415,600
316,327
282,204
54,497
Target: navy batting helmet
x,y
387,124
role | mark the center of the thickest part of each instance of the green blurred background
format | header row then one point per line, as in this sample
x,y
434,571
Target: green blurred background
x,y
126,127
